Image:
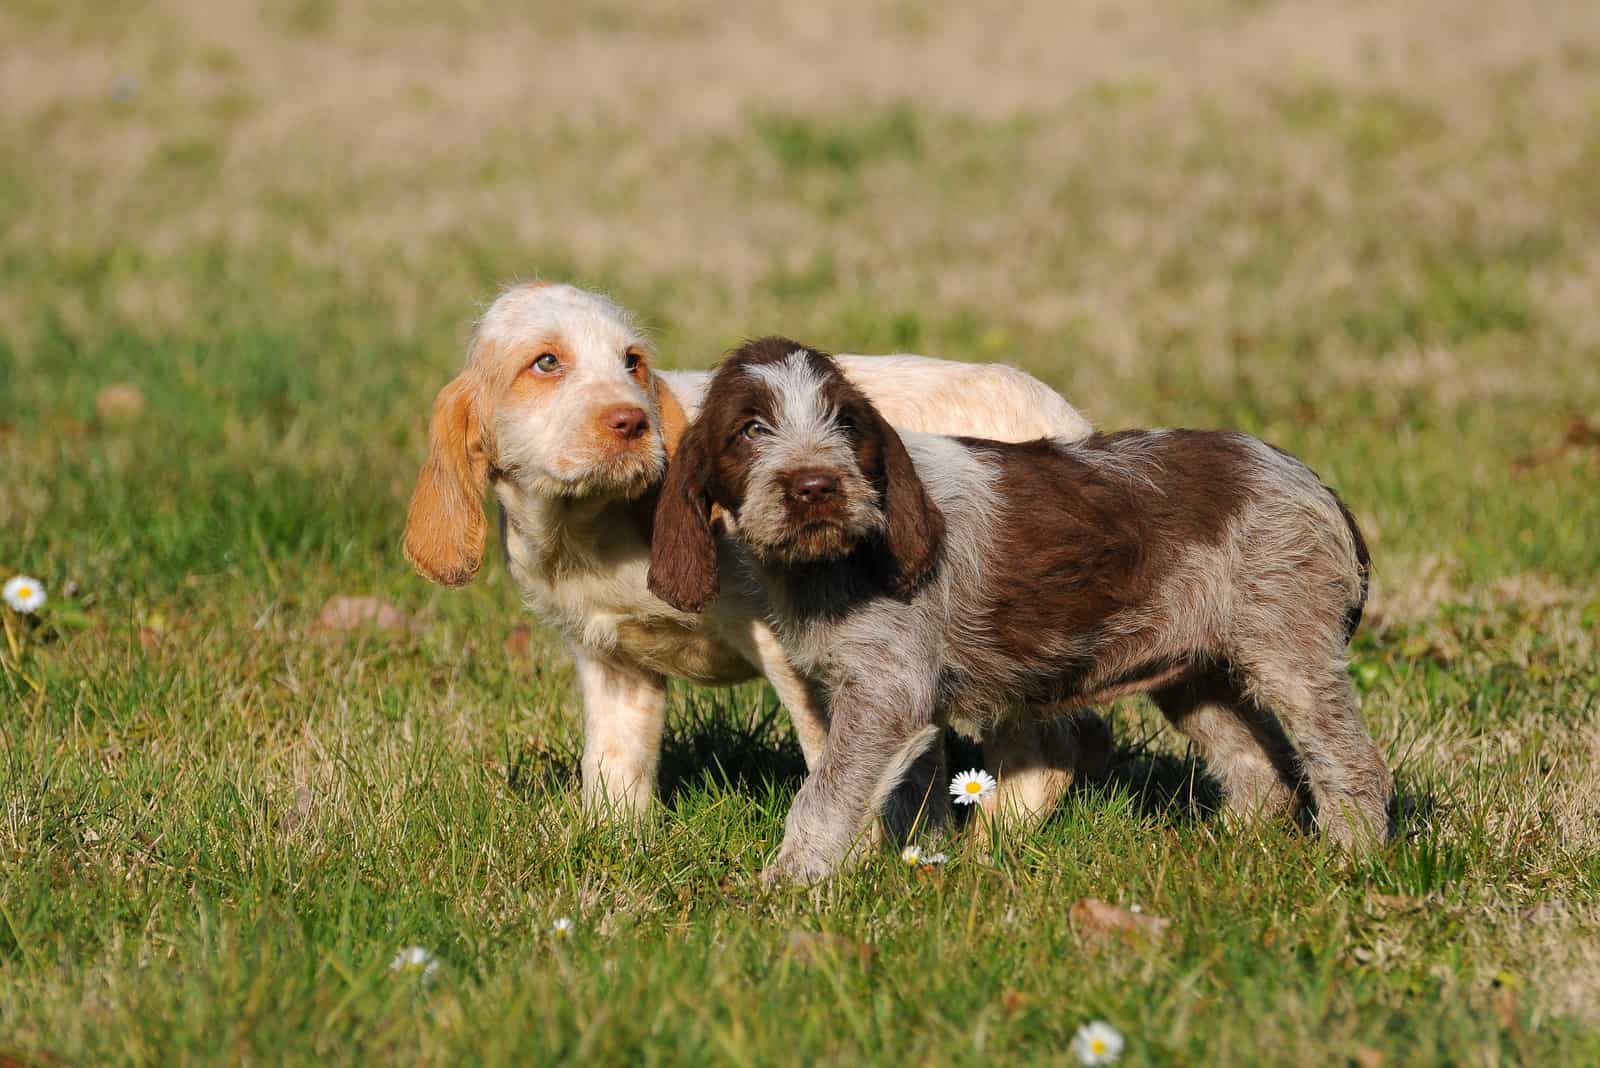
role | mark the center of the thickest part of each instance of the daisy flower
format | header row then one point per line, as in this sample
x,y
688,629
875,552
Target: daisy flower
x,y
973,786
414,960
913,855
24,594
1097,1043
562,927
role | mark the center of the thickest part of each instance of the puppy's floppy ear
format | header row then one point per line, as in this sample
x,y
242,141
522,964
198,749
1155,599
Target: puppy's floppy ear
x,y
445,528
683,550
914,526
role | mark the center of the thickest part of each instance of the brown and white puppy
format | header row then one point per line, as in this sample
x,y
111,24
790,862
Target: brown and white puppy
x,y
562,411
923,580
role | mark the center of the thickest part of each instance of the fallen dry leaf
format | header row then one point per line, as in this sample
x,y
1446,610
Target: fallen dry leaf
x,y
352,613
1013,1000
34,1060
1098,921
811,947
1580,435
1505,1007
120,402
519,643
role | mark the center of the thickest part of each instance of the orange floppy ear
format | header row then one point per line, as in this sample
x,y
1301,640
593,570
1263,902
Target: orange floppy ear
x,y
674,421
683,549
445,529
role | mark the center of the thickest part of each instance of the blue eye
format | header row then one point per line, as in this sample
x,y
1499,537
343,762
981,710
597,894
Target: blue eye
x,y
546,364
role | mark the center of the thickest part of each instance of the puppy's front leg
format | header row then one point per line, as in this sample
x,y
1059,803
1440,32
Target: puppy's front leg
x,y
871,744
624,710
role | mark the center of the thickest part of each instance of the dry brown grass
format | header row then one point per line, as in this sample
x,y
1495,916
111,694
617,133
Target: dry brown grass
x,y
598,131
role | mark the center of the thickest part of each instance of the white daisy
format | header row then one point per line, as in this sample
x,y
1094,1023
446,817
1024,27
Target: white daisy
x,y
1097,1043
913,856
414,960
562,927
973,786
24,594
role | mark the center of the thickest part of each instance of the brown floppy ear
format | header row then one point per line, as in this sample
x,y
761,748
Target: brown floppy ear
x,y
914,526
683,550
445,528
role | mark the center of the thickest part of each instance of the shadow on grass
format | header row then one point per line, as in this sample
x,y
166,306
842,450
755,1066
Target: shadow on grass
x,y
749,757
757,755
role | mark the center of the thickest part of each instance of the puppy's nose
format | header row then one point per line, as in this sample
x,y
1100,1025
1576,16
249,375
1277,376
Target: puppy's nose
x,y
627,421
813,487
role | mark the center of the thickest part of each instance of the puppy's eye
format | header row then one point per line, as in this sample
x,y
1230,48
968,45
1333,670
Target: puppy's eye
x,y
631,361
846,423
547,364
752,430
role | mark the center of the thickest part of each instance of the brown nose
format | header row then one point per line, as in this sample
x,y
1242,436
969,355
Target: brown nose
x,y
813,487
627,421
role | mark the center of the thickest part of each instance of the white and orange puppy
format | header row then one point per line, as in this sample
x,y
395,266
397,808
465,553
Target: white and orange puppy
x,y
561,411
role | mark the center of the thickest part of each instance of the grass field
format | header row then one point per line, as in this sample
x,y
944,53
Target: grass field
x,y
1369,232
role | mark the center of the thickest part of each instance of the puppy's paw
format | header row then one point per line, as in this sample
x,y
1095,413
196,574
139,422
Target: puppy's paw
x,y
793,869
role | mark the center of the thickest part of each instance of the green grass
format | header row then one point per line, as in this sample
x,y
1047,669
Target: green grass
x,y
219,823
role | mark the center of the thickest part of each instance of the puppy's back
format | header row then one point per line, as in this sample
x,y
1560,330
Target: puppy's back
x,y
1070,535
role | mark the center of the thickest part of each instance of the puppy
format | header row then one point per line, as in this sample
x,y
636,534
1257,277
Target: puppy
x,y
561,410
923,580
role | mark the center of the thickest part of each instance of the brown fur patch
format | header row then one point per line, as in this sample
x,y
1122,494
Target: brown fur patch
x,y
1088,538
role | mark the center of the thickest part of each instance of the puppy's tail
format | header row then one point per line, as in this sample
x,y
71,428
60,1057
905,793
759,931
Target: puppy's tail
x,y
1352,618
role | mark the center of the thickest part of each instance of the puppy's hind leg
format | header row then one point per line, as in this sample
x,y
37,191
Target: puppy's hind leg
x,y
1352,786
1243,746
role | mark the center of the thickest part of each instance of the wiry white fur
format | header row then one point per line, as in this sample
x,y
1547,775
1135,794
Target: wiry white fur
x,y
811,438
549,443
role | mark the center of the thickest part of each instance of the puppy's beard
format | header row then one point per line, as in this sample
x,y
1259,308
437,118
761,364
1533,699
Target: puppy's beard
x,y
812,543
777,537
624,475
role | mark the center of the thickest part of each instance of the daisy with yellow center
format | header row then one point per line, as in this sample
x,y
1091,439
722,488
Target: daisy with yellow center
x,y
973,786
562,927
24,594
1097,1043
913,855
